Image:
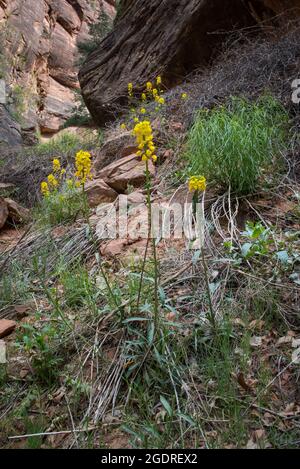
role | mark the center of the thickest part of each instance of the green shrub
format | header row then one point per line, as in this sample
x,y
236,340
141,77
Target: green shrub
x,y
61,206
14,285
78,287
64,143
233,145
40,343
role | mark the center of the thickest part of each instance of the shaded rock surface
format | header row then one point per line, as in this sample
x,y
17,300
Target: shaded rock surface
x,y
167,38
117,145
10,130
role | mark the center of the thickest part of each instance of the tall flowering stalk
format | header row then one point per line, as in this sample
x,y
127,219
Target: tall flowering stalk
x,y
197,184
146,150
83,165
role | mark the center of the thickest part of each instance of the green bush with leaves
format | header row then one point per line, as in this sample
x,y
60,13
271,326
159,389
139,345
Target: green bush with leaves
x,y
62,206
233,145
39,342
65,143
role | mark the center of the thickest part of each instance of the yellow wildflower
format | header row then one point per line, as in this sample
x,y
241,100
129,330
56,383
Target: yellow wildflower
x,y
143,110
144,97
155,92
45,189
52,181
70,183
149,86
161,101
197,183
158,80
123,126
144,139
130,89
183,96
63,171
83,166
56,165
136,119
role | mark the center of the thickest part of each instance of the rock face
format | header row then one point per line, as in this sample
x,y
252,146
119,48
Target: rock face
x,y
39,54
167,38
128,171
10,130
98,192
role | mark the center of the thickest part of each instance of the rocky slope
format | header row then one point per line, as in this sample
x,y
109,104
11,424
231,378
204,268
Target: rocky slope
x,y
39,55
171,38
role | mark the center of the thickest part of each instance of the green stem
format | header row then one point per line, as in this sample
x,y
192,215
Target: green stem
x,y
156,303
91,233
156,306
212,317
211,310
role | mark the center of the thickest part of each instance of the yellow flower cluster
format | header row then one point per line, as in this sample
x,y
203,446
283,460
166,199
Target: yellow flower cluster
x,y
130,90
56,165
53,179
45,189
83,166
197,183
154,91
144,139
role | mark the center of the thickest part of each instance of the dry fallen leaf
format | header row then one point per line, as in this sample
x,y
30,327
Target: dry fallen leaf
x,y
257,324
242,382
284,340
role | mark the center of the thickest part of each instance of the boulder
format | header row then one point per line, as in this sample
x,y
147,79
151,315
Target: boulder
x,y
98,192
136,198
128,171
168,38
16,212
3,212
6,327
117,145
